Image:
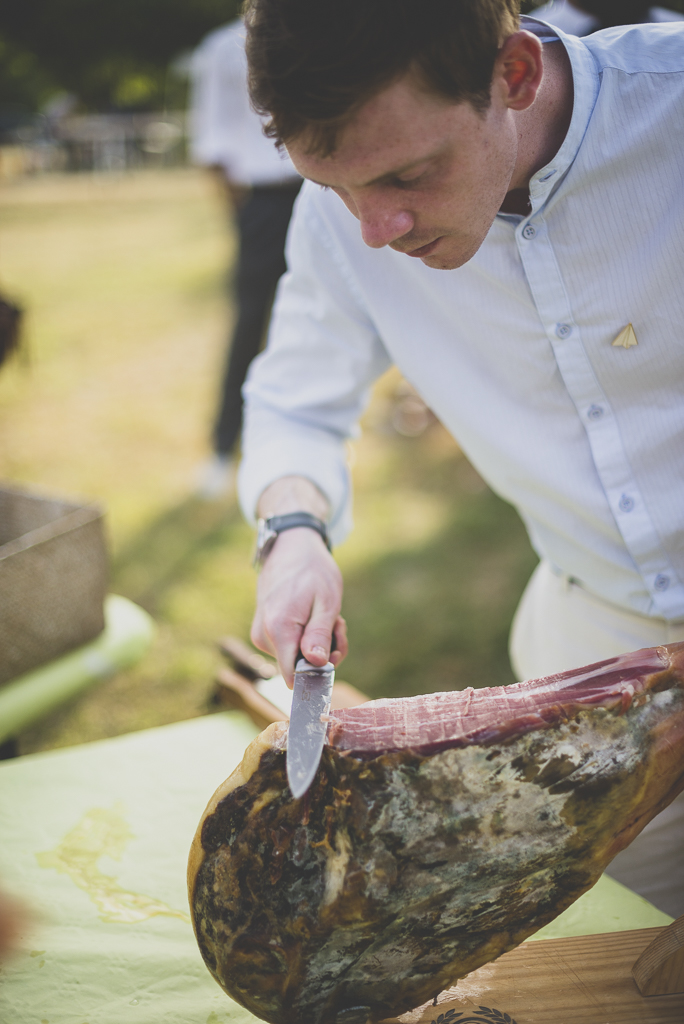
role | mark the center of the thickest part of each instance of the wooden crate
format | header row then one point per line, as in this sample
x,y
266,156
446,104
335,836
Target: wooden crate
x,y
53,579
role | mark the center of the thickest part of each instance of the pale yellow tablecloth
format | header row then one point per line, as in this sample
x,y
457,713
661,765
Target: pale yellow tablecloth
x,y
95,840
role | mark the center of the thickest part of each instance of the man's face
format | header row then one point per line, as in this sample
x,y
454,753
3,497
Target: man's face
x,y
423,175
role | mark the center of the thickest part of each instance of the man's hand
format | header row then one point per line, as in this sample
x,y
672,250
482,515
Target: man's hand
x,y
299,595
298,602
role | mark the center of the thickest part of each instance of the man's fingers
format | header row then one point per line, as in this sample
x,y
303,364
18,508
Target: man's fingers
x,y
314,641
282,640
341,643
259,636
287,657
317,638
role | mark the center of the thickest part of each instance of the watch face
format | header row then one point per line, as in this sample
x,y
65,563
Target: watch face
x,y
265,538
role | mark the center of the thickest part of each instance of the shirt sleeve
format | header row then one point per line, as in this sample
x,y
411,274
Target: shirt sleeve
x,y
304,395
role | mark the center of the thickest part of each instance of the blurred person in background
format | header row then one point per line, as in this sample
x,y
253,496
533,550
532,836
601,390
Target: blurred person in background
x,y
261,186
591,15
10,324
12,914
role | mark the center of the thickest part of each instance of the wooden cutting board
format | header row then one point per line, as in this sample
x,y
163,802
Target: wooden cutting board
x,y
581,980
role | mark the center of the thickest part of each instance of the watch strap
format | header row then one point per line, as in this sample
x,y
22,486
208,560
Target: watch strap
x,y
273,526
293,519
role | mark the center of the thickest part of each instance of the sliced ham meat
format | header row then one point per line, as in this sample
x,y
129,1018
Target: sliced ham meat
x,y
440,832
437,721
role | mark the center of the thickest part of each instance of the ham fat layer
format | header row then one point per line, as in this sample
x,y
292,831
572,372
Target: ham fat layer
x,y
438,721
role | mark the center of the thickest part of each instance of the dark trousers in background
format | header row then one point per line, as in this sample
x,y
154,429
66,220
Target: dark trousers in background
x,y
262,224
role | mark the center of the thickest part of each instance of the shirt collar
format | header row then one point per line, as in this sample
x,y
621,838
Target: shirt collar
x,y
585,78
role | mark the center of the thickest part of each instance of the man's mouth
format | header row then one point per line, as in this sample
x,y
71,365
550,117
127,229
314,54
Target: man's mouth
x,y
424,250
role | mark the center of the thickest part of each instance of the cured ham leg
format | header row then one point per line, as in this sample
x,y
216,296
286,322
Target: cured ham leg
x,y
440,832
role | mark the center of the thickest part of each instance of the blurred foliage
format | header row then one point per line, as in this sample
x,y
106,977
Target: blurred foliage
x,y
25,85
112,56
433,614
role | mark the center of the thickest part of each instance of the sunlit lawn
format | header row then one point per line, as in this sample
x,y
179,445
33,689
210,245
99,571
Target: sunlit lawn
x,y
123,279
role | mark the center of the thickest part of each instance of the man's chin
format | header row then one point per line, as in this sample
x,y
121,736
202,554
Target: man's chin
x,y
442,253
445,258
439,262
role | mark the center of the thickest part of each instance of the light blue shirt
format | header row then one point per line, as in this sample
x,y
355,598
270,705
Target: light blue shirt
x,y
514,351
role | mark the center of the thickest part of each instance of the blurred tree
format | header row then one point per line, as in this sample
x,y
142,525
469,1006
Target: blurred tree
x,y
25,84
112,55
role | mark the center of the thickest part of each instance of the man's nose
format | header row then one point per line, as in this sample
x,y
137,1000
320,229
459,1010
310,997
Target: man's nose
x,y
381,225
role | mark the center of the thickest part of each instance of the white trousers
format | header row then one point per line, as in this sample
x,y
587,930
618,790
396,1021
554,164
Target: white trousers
x,y
558,626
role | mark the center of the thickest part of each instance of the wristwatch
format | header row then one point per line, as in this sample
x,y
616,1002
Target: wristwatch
x,y
268,530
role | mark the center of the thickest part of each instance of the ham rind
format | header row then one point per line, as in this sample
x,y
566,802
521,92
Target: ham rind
x,y
438,833
437,721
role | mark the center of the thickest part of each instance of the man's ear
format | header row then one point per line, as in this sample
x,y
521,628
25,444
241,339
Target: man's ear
x,y
519,67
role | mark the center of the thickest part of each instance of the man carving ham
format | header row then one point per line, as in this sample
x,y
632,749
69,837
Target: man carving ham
x,y
490,203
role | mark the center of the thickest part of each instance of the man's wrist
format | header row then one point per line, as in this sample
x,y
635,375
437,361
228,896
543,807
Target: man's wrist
x,y
268,531
292,494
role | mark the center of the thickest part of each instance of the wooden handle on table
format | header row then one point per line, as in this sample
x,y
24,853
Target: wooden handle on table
x,y
252,664
238,693
659,971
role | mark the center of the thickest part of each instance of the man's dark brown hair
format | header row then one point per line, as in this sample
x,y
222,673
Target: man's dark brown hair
x,y
314,63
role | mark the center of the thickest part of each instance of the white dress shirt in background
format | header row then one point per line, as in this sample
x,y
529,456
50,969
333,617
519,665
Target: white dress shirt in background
x,y
575,22
223,127
514,351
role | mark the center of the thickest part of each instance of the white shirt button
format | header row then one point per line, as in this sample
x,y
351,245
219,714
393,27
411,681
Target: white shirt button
x,y
563,330
529,231
626,504
661,582
595,412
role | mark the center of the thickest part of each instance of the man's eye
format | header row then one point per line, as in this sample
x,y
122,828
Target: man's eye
x,y
406,182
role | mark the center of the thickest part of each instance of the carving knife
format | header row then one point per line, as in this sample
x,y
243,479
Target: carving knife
x,y
306,736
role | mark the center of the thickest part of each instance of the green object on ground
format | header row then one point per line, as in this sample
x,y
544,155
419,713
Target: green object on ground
x,y
608,907
125,639
96,838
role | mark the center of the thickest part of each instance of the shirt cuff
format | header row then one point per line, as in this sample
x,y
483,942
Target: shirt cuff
x,y
276,449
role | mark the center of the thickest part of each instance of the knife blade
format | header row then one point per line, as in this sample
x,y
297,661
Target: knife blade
x,y
306,736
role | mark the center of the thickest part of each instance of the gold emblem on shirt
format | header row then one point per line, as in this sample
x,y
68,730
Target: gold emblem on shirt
x,y
626,338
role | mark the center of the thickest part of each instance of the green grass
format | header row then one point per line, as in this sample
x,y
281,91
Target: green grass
x,y
435,615
123,279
